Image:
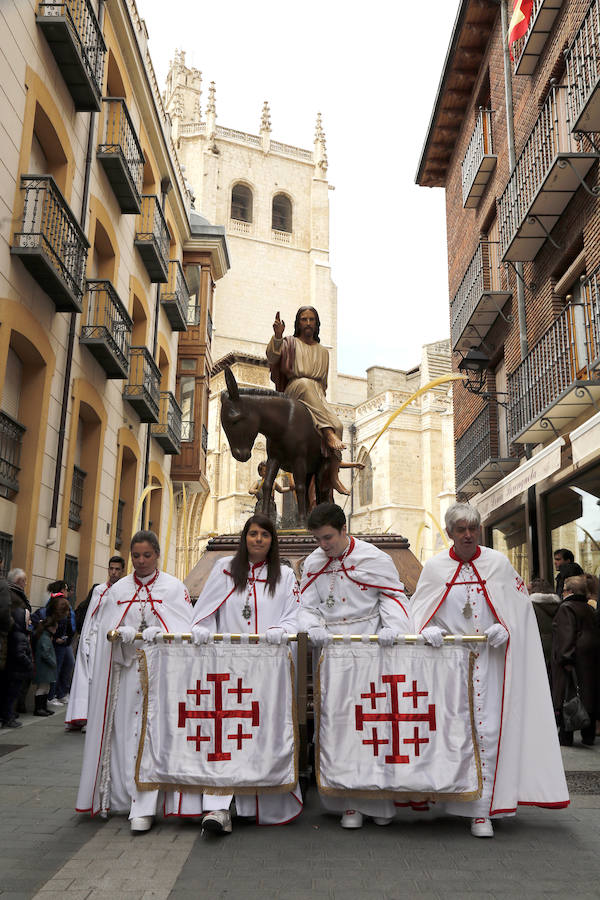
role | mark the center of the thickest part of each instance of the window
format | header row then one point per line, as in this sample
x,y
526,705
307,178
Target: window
x,y
6,548
70,576
281,219
187,389
365,483
510,538
573,520
241,203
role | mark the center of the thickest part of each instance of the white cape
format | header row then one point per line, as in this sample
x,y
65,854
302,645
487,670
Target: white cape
x,y
529,769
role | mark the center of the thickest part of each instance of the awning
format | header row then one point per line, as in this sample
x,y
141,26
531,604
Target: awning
x,y
533,470
585,440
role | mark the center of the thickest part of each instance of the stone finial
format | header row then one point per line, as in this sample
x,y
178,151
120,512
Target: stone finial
x,y
265,121
320,155
211,106
197,115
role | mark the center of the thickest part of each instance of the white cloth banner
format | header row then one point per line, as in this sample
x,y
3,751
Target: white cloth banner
x,y
220,718
397,722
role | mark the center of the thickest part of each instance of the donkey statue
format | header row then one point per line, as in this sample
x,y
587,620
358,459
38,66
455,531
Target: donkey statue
x,y
293,443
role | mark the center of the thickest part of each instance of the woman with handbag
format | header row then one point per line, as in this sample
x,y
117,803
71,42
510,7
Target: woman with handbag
x,y
575,664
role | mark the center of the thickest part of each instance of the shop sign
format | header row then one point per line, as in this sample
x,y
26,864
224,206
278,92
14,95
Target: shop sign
x,y
585,440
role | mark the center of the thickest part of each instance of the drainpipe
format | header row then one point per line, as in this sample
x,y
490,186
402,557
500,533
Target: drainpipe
x,y
510,131
72,325
165,187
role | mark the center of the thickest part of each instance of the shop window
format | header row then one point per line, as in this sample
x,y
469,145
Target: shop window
x,y
573,520
509,536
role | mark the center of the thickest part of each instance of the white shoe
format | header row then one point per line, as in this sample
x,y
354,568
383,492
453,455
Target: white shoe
x,y
218,821
383,820
56,702
352,819
482,828
141,823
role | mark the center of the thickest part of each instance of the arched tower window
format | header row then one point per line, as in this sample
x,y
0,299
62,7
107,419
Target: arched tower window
x,y
281,215
241,203
365,487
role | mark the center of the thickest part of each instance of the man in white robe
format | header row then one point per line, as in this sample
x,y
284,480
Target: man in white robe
x,y
471,589
221,608
84,664
149,601
350,587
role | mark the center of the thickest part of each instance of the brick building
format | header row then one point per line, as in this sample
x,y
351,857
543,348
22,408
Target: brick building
x,y
516,145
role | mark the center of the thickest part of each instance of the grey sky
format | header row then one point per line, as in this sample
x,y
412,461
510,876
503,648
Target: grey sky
x,y
372,70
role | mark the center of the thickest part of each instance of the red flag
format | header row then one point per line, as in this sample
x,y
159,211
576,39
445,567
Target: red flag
x,y
519,22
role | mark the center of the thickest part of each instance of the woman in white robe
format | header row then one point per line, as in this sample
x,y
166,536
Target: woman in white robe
x,y
149,601
249,593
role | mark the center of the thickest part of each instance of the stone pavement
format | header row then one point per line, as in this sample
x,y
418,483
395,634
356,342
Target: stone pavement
x,y
48,851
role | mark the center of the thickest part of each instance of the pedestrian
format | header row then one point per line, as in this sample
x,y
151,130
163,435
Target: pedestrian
x,y
19,667
545,606
57,609
592,585
470,589
350,587
58,696
6,623
147,601
575,657
77,708
17,582
250,592
565,566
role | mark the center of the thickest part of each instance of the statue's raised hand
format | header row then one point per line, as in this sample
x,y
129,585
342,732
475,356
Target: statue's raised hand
x,y
278,326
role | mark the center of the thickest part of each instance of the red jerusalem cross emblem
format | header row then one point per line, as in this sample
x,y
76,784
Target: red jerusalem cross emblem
x,y
395,718
218,715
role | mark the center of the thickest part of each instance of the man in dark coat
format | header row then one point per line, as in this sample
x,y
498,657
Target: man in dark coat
x,y
565,566
19,667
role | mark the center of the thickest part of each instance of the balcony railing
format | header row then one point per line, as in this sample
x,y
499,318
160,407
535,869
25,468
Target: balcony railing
x,y
557,382
107,330
549,171
175,297
11,439
75,38
152,239
187,430
479,161
527,50
119,524
50,243
479,299
583,73
120,155
478,460
76,504
167,431
142,391
591,298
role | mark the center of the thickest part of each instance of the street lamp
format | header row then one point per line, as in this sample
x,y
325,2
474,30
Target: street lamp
x,y
474,365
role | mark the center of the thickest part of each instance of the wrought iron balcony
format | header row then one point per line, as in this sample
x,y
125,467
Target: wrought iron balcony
x,y
75,38
479,299
76,502
107,329
11,438
152,239
550,169
120,155
142,391
528,49
479,464
167,431
50,243
187,430
583,73
559,379
175,297
479,161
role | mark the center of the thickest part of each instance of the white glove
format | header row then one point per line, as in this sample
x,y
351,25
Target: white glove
x,y
386,637
149,634
127,634
200,635
275,635
319,637
497,635
433,635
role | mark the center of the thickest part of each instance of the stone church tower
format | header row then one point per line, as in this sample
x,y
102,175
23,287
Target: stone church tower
x,y
273,200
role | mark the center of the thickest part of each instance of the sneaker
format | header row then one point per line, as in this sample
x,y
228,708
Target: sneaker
x,y
383,820
12,723
56,702
141,823
482,828
218,821
352,819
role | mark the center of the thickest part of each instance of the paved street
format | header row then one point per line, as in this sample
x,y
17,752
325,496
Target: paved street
x,y
49,851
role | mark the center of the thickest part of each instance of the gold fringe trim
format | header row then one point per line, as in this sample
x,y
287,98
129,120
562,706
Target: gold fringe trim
x,y
210,788
378,794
